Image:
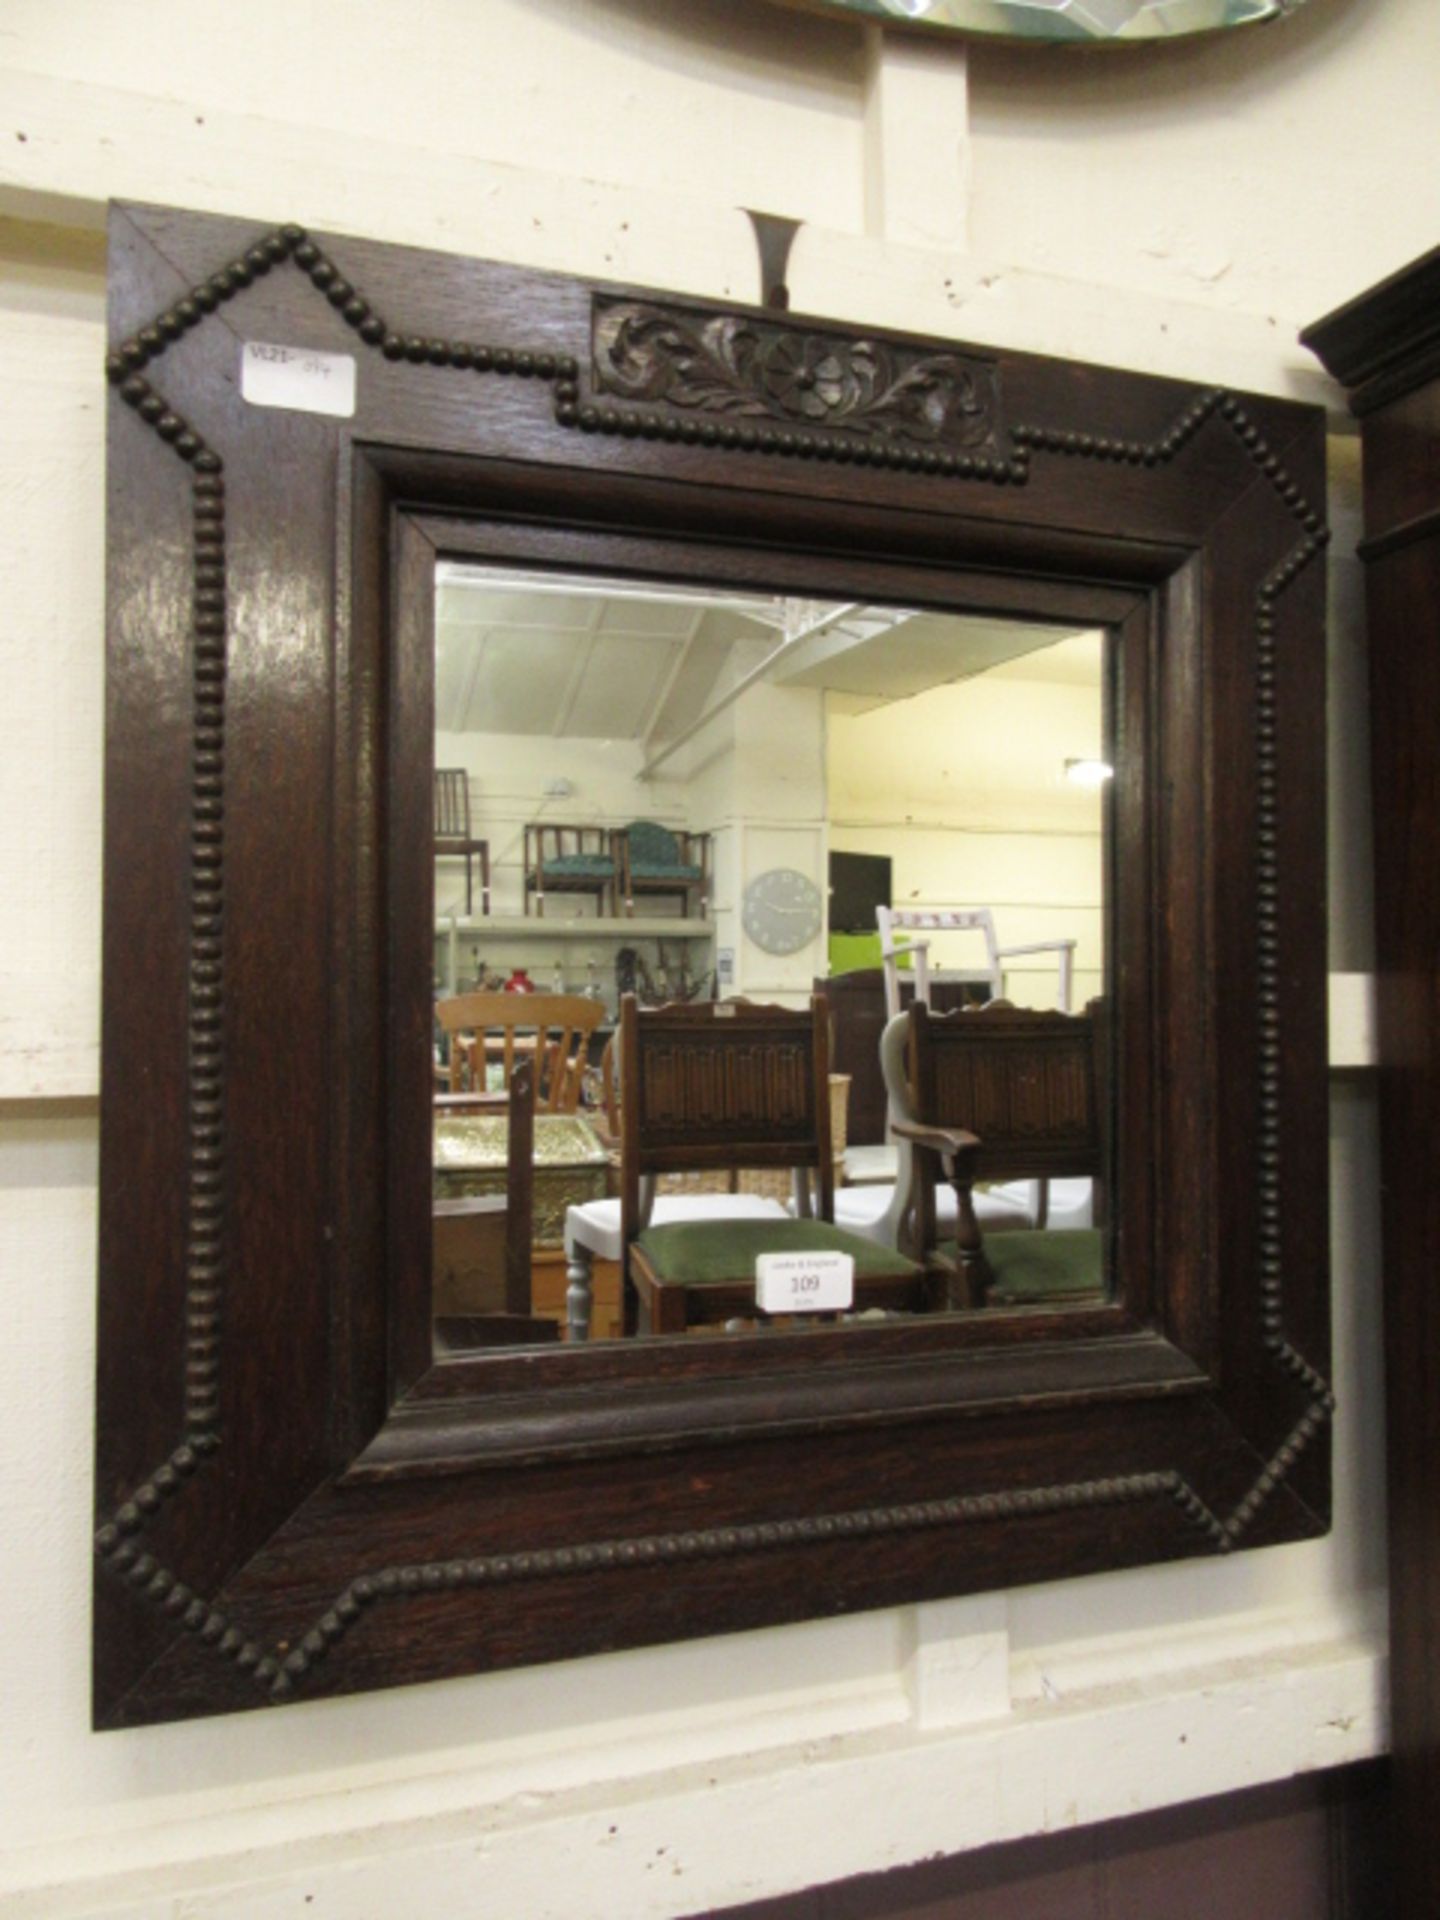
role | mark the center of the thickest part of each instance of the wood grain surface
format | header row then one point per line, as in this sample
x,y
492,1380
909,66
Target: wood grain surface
x,y
294,1495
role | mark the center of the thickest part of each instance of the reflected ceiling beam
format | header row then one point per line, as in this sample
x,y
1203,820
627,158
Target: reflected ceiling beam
x,y
580,666
829,640
870,661
814,623
476,652
650,724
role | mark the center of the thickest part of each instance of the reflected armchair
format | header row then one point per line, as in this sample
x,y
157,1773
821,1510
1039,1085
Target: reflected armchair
x,y
999,1093
889,1212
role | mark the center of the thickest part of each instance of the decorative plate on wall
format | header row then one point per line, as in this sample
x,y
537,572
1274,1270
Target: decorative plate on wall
x,y
1073,21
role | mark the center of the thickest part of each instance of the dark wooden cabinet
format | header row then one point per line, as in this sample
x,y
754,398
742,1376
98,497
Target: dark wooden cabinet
x,y
1313,1848
1385,347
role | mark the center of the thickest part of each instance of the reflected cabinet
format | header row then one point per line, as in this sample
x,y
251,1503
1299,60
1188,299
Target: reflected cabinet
x,y
1385,347
650,1235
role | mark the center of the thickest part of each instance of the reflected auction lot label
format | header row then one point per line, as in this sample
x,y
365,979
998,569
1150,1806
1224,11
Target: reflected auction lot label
x,y
804,1282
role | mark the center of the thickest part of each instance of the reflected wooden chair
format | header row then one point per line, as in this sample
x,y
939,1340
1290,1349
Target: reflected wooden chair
x,y
664,861
731,1085
482,1247
552,1028
453,834
1000,1093
561,858
593,1227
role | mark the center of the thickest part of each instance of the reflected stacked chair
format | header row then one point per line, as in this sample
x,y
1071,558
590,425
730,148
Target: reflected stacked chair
x,y
657,860
564,858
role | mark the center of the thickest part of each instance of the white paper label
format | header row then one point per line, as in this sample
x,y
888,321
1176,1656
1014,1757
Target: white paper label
x,y
298,378
804,1282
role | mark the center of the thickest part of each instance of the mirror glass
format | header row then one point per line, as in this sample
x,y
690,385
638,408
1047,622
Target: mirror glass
x,y
695,796
1075,21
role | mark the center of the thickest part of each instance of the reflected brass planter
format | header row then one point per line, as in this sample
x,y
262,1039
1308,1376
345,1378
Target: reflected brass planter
x,y
571,1166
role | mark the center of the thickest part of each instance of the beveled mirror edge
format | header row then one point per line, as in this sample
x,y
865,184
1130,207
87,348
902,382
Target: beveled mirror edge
x,y
1006,21
187,1623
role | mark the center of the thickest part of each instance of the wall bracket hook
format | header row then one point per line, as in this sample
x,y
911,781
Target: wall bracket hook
x,y
774,237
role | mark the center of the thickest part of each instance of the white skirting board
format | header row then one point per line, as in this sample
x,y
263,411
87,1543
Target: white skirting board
x,y
972,1747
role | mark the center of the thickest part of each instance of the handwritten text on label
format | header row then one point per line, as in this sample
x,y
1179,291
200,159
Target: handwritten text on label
x,y
299,378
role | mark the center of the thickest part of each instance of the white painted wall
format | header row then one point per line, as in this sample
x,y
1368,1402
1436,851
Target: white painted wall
x,y
1101,198
964,788
756,778
778,821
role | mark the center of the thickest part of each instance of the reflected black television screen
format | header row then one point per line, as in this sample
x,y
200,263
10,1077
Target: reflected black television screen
x,y
859,883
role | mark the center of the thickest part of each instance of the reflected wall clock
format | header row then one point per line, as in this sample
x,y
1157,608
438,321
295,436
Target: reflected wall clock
x,y
1077,22
783,910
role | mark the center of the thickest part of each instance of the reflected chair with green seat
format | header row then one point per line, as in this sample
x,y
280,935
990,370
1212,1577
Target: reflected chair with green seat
x,y
718,1086
655,859
1000,1093
564,858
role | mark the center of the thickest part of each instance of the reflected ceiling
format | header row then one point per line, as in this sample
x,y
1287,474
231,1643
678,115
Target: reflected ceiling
x,y
573,658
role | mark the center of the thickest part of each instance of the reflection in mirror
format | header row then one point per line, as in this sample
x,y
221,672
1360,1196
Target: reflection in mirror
x,y
786,823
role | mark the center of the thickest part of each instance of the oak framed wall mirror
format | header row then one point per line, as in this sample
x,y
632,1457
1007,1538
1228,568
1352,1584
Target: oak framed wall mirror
x,y
474,629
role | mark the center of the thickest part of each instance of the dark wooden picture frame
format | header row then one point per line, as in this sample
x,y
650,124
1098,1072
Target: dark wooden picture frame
x,y
294,1496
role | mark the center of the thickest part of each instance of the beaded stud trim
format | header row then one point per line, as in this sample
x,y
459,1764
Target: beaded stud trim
x,y
915,411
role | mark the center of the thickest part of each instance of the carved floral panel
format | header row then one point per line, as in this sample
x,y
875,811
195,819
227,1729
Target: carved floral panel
x,y
738,367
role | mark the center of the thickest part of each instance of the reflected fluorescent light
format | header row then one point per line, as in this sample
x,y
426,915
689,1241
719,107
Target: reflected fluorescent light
x,y
1089,773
